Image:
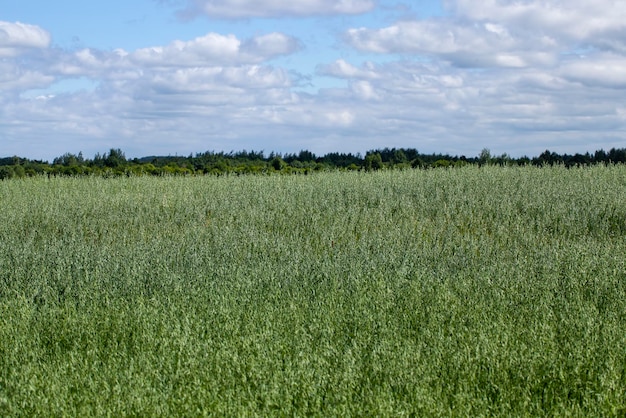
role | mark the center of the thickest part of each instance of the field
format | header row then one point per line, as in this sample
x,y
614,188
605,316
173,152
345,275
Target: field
x,y
448,292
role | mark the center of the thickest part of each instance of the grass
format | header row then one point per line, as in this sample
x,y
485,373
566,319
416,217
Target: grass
x,y
463,292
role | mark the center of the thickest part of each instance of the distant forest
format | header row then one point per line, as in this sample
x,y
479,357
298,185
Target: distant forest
x,y
115,163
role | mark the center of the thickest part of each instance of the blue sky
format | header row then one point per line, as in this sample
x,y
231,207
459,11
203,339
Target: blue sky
x,y
173,77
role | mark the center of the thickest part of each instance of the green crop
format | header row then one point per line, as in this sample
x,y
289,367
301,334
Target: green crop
x,y
450,292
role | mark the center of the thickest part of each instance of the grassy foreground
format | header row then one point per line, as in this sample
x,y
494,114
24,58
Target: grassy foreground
x,y
464,292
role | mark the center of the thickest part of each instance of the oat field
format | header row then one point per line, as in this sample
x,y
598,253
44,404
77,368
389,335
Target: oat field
x,y
492,291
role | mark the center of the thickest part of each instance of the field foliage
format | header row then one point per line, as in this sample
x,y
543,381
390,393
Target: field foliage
x,y
450,292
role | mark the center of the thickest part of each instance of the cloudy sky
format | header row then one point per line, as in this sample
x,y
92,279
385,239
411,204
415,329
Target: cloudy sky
x,y
174,77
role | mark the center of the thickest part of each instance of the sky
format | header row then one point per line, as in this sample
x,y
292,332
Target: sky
x,y
180,77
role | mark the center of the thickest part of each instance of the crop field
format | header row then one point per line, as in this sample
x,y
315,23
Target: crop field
x,y
449,292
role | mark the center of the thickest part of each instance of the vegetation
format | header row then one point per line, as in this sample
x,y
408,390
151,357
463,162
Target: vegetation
x,y
115,163
466,292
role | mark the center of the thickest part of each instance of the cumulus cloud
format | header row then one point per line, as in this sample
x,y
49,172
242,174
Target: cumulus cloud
x,y
14,78
212,51
551,71
198,86
211,83
236,9
512,76
215,49
16,38
208,49
343,69
600,70
574,19
503,33
466,44
21,64
269,46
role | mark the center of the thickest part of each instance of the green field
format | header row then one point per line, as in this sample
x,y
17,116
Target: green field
x,y
449,292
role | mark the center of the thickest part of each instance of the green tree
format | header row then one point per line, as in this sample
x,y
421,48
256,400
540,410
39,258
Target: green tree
x,y
485,157
278,163
441,163
68,159
19,171
116,158
373,161
6,172
417,163
399,156
305,156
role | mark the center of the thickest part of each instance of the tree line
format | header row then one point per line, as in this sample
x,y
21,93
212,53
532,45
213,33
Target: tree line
x,y
115,163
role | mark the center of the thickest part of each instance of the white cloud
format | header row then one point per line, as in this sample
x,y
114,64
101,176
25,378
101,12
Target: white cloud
x,y
503,33
364,90
216,49
235,9
465,44
520,111
341,118
212,51
17,37
212,82
598,70
579,20
203,87
14,79
512,76
343,69
270,45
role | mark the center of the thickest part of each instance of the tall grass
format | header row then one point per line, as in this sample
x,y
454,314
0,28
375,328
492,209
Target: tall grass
x,y
464,292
